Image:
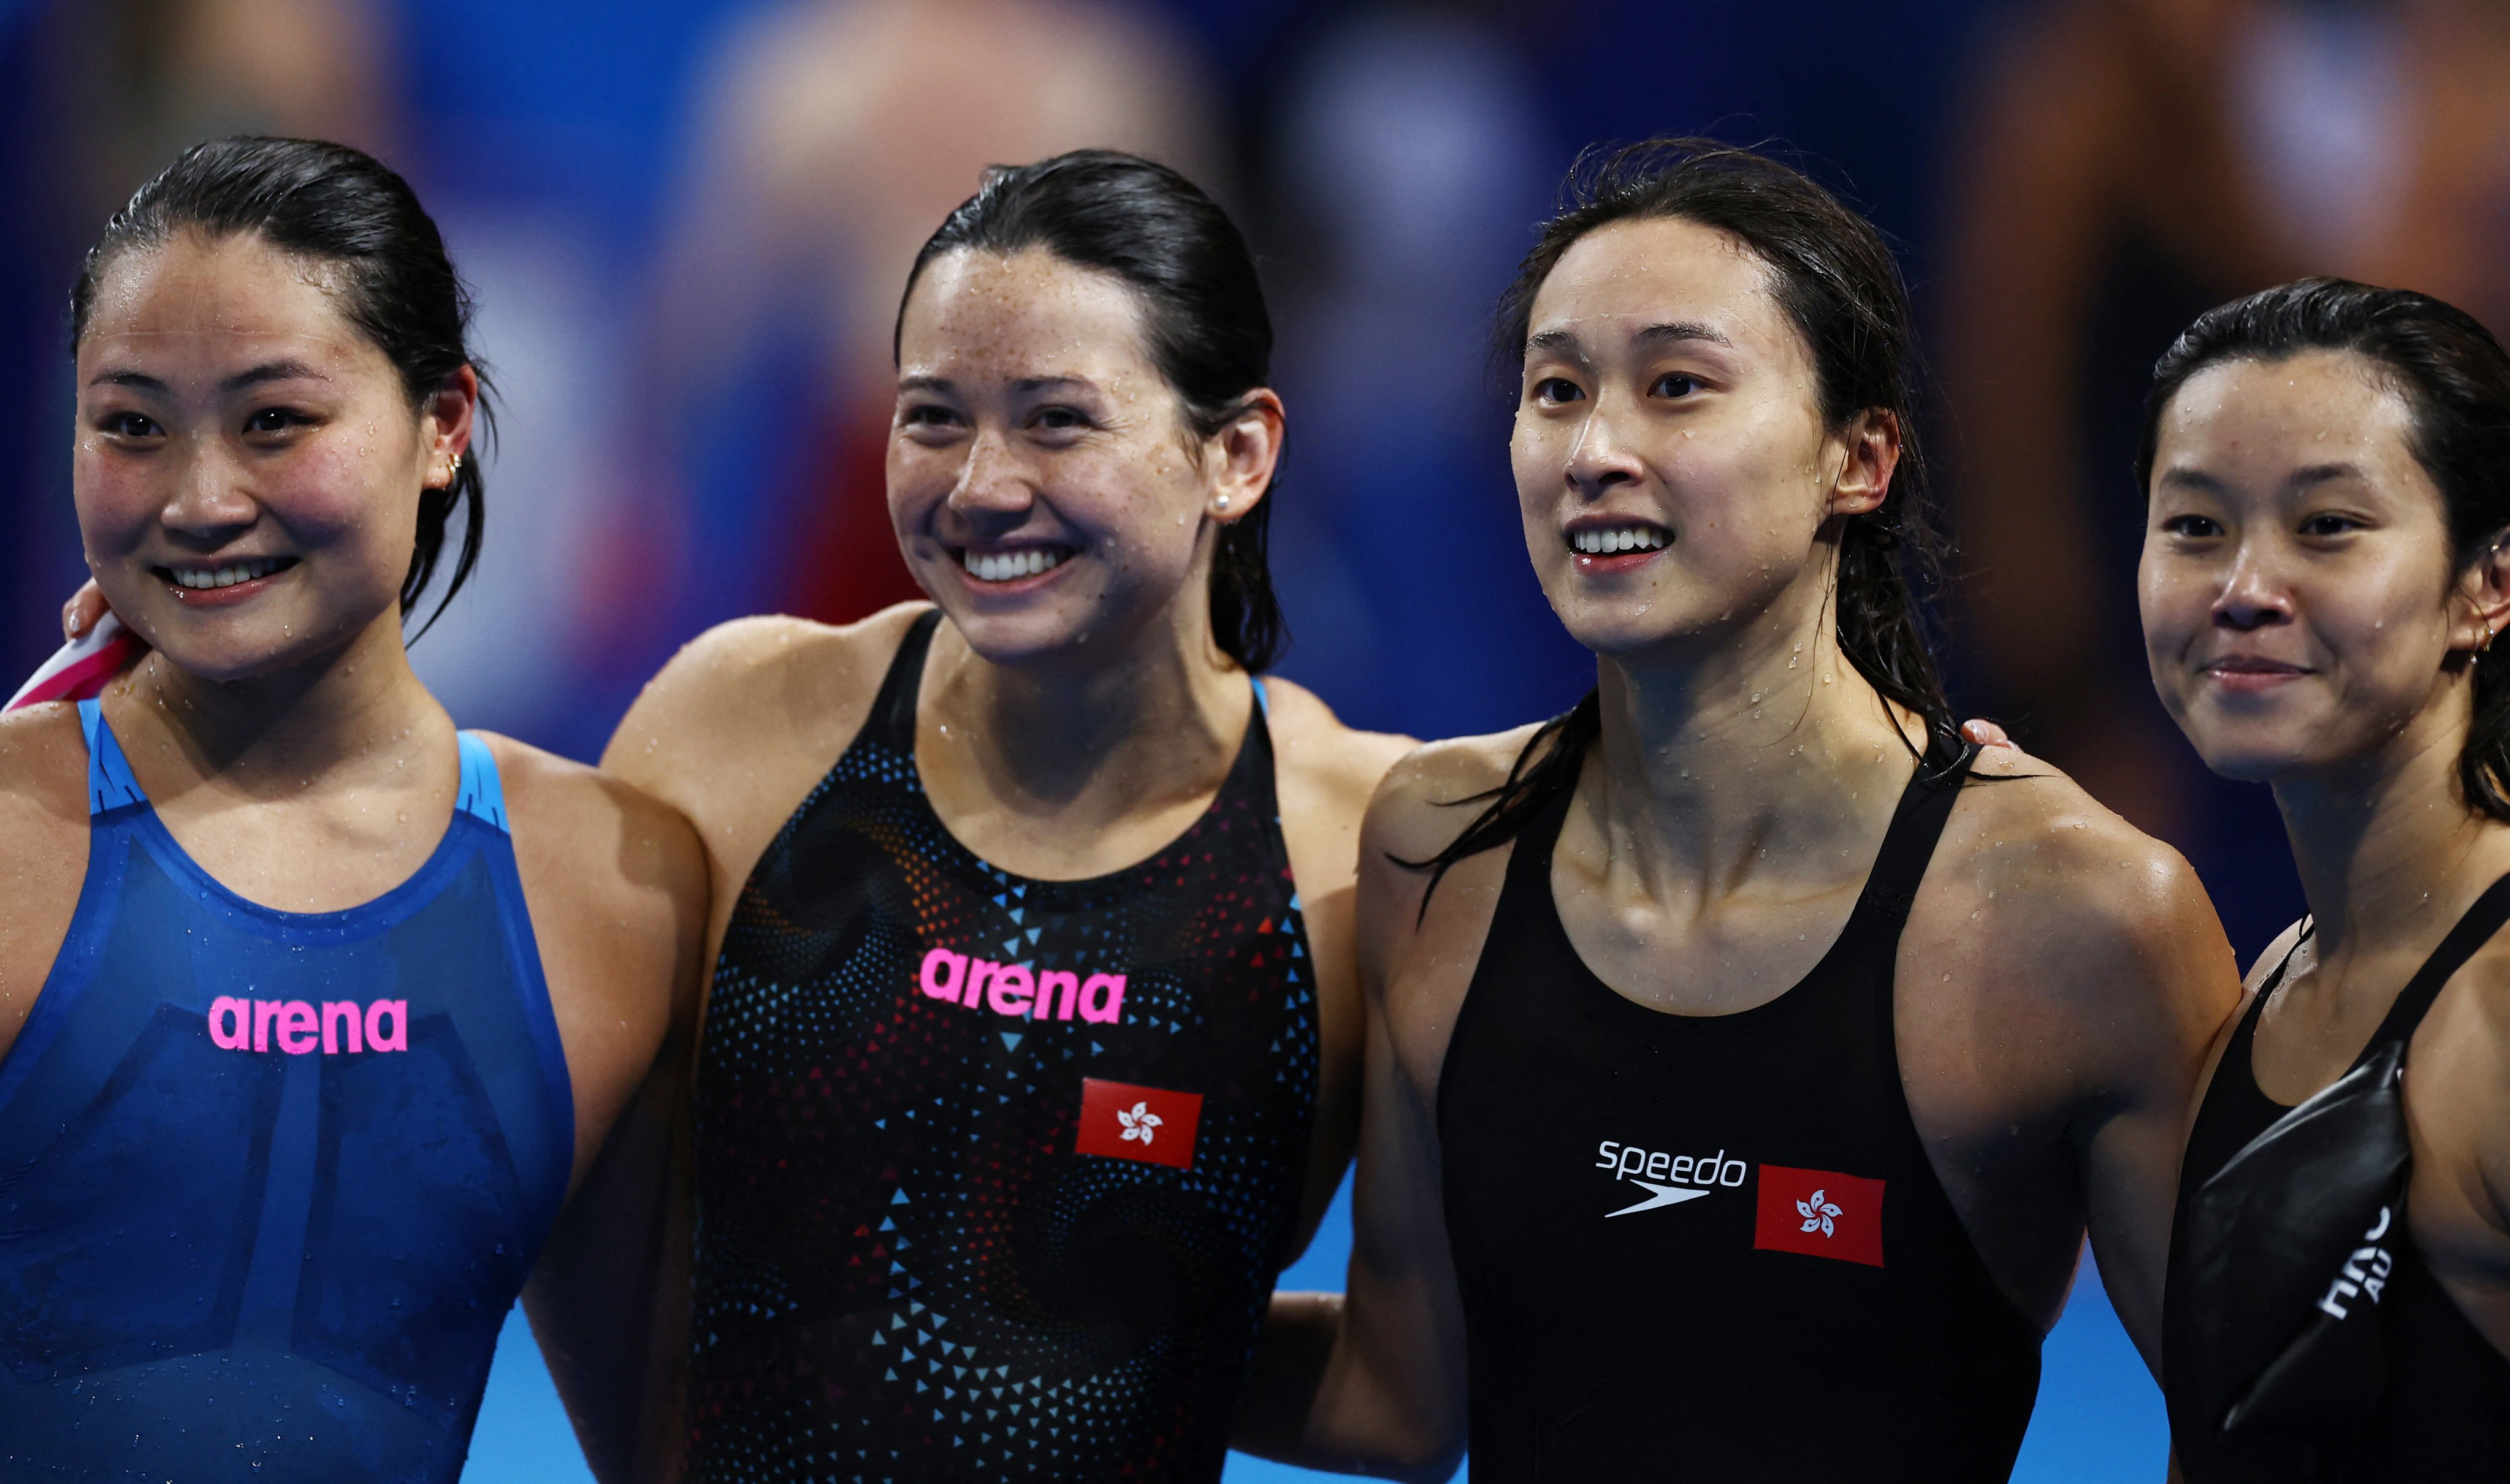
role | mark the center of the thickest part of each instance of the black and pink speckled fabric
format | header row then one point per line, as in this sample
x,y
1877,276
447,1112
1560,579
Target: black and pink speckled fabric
x,y
906,1271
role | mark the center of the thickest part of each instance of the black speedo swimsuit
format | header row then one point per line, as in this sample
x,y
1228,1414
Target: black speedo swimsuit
x,y
1713,1247
2442,1409
994,1174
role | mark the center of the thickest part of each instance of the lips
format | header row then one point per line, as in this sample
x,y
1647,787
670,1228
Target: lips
x,y
2251,672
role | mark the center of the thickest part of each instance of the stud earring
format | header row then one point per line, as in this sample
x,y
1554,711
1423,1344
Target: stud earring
x,y
1224,502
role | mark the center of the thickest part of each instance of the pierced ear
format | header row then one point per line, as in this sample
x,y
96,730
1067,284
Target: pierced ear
x,y
1243,455
1873,445
451,415
2484,595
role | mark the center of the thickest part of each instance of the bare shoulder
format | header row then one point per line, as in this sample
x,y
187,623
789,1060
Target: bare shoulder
x,y
2054,857
751,686
2067,919
1336,764
43,850
610,843
1422,801
42,766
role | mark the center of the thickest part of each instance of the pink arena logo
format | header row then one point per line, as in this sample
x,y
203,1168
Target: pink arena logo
x,y
251,1025
1009,989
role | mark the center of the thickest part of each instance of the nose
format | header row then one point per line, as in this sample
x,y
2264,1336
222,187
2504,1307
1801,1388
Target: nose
x,y
213,499
2252,597
993,489
1600,459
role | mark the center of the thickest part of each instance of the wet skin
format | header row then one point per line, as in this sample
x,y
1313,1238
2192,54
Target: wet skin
x,y
230,417
2309,625
1071,721
2061,975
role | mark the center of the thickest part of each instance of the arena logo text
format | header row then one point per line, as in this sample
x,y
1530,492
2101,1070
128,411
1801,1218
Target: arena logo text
x,y
1011,989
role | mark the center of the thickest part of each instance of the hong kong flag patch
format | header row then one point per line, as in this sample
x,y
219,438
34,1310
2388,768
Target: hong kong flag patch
x,y
1820,1213
1152,1124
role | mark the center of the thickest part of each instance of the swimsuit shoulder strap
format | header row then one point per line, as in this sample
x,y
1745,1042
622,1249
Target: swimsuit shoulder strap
x,y
480,794
892,721
110,784
2473,930
1909,844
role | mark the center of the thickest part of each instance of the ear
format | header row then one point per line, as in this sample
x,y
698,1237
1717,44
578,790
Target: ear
x,y
1872,446
1240,457
2483,597
444,425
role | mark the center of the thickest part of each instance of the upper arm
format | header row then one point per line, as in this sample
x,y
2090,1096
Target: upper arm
x,y
1401,1359
1326,772
2129,979
43,851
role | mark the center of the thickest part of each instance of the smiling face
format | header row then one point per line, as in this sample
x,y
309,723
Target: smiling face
x,y
2300,608
1673,469
1046,487
248,466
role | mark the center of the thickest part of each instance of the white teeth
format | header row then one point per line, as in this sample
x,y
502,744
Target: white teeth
x,y
1006,566
1628,538
203,578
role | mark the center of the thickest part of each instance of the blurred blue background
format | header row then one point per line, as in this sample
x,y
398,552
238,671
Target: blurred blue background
x,y
688,221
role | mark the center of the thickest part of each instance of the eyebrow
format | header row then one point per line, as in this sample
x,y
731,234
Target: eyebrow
x,y
267,372
942,386
1681,331
1561,342
2320,473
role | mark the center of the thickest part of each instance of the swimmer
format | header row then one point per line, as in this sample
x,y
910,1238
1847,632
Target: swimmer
x,y
312,1009
2322,581
1747,1055
1031,1052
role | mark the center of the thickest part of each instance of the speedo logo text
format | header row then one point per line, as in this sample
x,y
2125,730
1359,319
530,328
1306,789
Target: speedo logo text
x,y
1670,1178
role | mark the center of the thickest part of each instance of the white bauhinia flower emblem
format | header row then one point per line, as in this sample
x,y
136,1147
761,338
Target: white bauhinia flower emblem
x,y
1817,1212
1139,1121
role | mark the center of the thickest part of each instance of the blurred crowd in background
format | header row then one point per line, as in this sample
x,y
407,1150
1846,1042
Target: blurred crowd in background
x,y
688,222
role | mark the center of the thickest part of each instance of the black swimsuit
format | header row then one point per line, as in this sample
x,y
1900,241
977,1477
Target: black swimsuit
x,y
994,1174
2443,1411
1714,1248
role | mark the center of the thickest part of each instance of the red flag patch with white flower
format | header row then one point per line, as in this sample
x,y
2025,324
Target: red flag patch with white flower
x,y
1820,1213
1152,1124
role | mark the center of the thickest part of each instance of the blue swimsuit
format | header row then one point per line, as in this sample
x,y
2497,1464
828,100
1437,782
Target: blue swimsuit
x,y
270,1181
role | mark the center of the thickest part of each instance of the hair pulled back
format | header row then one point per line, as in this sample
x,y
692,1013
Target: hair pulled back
x,y
1203,317
2455,381
1836,281
385,268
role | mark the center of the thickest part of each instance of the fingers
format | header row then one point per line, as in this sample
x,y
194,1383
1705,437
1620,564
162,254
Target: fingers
x,y
81,612
1986,733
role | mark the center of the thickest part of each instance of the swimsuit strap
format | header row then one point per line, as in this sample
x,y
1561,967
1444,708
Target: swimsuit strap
x,y
2473,930
480,794
110,784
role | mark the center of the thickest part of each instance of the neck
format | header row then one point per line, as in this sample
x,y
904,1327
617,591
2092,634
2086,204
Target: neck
x,y
358,707
1159,712
1766,757
2388,849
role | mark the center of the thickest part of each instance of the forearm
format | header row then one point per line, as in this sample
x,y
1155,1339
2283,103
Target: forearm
x,y
1314,1400
609,1302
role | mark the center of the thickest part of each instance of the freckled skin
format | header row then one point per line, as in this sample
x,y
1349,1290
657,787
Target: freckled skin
x,y
1068,726
2059,976
2308,627
228,410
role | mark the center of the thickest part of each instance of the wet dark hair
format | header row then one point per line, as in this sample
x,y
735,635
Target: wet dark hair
x,y
2455,381
1835,280
1203,313
342,209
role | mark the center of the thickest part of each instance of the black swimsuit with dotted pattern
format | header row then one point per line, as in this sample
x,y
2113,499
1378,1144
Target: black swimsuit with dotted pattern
x,y
906,1267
